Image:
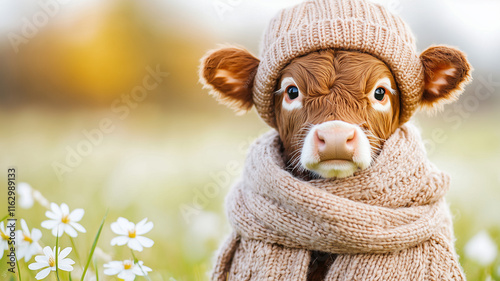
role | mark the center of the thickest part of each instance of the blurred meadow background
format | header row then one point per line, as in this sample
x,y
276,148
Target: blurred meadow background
x,y
100,108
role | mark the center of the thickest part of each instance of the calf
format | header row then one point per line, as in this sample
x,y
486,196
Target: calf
x,y
334,108
337,79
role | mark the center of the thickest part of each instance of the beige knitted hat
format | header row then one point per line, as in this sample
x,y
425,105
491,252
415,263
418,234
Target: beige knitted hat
x,y
339,24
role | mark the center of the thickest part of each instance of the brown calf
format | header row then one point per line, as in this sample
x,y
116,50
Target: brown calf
x,y
334,109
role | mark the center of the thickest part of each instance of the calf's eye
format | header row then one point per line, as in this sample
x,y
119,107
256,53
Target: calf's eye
x,y
379,93
292,92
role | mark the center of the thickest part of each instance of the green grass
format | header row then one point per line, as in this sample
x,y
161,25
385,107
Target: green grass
x,y
94,245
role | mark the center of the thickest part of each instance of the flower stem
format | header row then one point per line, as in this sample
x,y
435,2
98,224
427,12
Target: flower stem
x,y
76,252
57,253
96,270
4,218
137,261
18,268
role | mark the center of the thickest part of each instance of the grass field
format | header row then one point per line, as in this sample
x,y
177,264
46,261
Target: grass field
x,y
158,164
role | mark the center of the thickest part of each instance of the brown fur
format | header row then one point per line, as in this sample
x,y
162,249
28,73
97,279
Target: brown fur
x,y
229,73
335,85
436,60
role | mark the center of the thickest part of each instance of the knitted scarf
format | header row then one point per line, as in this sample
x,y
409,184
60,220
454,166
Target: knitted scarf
x,y
387,222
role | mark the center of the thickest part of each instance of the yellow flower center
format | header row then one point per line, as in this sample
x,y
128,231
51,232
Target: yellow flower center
x,y
27,238
3,235
65,219
127,265
131,233
52,262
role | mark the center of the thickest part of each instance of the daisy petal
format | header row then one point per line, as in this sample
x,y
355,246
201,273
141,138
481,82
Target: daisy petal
x,y
126,275
135,245
55,209
68,261
65,267
76,215
145,228
117,228
112,270
141,223
47,251
140,269
42,274
24,226
52,215
114,264
42,259
64,253
137,271
120,240
50,224
125,224
19,239
122,221
78,227
36,234
27,257
146,269
21,251
37,265
64,209
146,242
58,231
70,230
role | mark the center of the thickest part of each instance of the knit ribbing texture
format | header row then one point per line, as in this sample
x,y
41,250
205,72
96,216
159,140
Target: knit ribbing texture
x,y
388,222
354,25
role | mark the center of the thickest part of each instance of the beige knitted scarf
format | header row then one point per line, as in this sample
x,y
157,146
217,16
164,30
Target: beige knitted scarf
x,y
388,222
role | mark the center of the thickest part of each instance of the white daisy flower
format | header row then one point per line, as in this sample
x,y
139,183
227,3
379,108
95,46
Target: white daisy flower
x,y
481,248
61,220
130,234
47,261
126,269
4,239
27,242
25,193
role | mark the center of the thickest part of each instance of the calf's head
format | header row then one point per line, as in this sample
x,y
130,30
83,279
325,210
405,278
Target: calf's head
x,y
334,108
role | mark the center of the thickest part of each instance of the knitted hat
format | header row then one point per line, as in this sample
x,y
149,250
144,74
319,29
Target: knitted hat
x,y
338,24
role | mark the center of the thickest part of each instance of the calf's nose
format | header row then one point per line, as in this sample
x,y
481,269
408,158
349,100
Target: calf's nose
x,y
338,143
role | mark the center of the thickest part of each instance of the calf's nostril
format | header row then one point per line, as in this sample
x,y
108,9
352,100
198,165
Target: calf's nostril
x,y
320,138
351,136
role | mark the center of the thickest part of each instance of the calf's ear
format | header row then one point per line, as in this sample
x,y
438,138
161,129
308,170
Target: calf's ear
x,y
446,72
229,73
